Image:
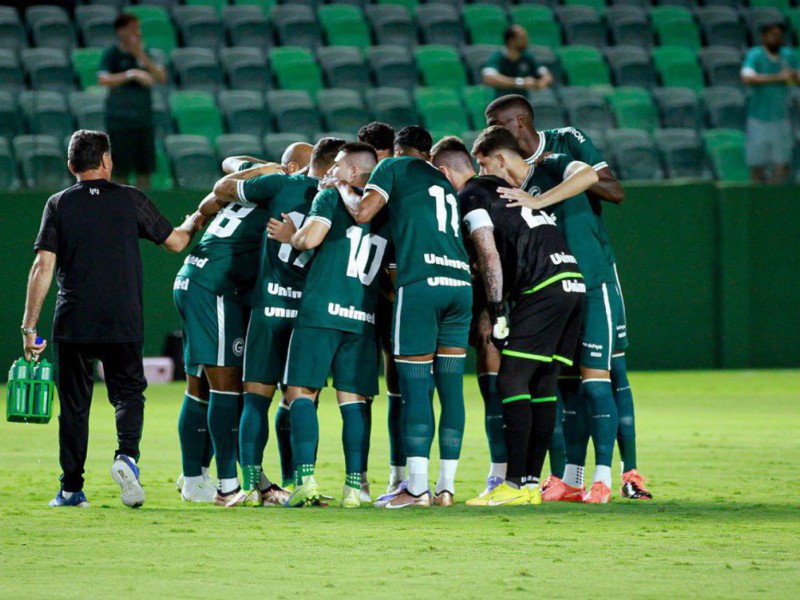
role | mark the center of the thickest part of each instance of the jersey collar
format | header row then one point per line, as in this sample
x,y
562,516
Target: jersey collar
x,y
532,159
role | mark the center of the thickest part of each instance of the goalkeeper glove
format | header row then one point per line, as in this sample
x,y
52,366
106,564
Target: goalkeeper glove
x,y
500,329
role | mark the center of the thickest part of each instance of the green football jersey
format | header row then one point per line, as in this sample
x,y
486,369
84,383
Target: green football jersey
x,y
425,220
282,273
581,227
342,287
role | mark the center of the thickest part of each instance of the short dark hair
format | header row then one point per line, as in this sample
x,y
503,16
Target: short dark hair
x,y
123,20
86,149
766,27
359,148
452,152
510,101
324,152
508,33
415,137
496,138
378,135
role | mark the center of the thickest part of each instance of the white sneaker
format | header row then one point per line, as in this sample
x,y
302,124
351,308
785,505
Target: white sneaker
x,y
179,483
363,493
125,473
198,492
351,497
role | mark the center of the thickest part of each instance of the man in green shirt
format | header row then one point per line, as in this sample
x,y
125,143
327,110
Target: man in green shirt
x,y
513,67
129,72
769,70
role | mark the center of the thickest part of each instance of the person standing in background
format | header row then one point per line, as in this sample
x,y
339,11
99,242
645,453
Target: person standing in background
x,y
513,67
130,73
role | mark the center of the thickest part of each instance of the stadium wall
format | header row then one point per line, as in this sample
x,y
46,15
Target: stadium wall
x,y
709,273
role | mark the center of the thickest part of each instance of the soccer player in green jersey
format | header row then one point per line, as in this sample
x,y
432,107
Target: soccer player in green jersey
x,y
274,302
432,309
335,329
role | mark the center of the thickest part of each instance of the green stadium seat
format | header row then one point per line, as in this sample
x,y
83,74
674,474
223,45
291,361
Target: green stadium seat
x,y
347,136
644,4
11,75
197,69
630,65
41,161
199,26
47,69
548,110
156,27
441,109
193,161
162,119
50,27
276,143
10,122
724,107
725,151
237,144
391,105
598,5
782,5
539,22
12,33
86,63
475,58
721,26
89,109
217,5
392,66
344,67
96,25
681,152
161,178
675,26
195,113
634,154
633,108
392,25
45,113
582,25
679,107
678,3
296,25
583,66
629,25
295,69
678,67
244,112
409,5
476,98
246,68
722,65
793,16
439,24
264,5
342,109
585,106
440,66
546,58
247,26
485,23
344,25
293,110
8,168
727,3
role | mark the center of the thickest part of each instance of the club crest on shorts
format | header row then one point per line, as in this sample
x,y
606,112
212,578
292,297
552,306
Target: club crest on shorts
x,y
238,346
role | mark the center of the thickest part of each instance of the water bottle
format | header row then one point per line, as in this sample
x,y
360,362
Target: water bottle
x,y
19,380
42,397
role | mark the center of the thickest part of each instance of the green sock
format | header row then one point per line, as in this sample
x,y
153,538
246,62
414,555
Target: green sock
x,y
575,422
418,420
493,417
367,433
253,436
397,454
283,433
604,419
354,417
192,431
305,435
558,456
223,423
626,436
449,376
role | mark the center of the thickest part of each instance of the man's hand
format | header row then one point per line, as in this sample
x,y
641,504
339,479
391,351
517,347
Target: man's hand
x,y
328,182
517,197
500,329
281,231
198,219
141,77
31,349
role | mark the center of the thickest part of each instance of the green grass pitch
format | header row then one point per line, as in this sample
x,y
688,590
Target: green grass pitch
x,y
722,449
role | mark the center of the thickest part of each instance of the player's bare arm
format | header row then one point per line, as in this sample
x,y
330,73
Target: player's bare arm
x,y
233,163
579,178
492,271
39,280
310,235
210,205
607,188
363,208
181,236
226,188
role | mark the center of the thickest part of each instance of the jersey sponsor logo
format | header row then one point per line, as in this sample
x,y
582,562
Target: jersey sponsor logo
x,y
578,135
447,281
181,283
562,257
276,289
570,285
538,219
238,346
445,261
592,346
351,312
280,313
196,261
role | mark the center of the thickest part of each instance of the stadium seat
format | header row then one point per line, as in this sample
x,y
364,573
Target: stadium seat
x,y
8,168
475,58
585,106
794,109
678,67
247,26
548,110
293,110
347,136
193,161
96,25
675,26
629,25
50,27
391,105
41,161
11,79
217,5
681,153
295,69
199,26
538,21
237,144
246,68
344,25
296,25
581,25
476,98
89,109
782,5
264,5
644,4
724,107
598,5
630,65
195,113
47,69
276,143
392,66
583,66
342,109
407,4
725,150
197,69
679,107
757,16
793,16
344,67
12,33
244,112
726,3
634,154
722,65
439,24
156,27
10,122
392,25
162,119
86,63
545,57
633,108
440,66
721,26
485,23
441,109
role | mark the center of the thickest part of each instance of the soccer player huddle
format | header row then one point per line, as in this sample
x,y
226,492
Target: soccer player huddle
x,y
393,246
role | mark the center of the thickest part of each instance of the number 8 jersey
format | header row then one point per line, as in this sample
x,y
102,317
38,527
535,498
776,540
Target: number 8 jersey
x,y
425,221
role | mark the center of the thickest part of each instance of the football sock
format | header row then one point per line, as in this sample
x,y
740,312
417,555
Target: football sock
x,y
558,456
206,471
418,421
517,419
228,485
263,481
447,476
573,475
602,473
498,469
396,474
223,423
449,378
305,435
397,455
417,474
626,435
366,438
187,481
354,417
575,422
253,436
604,418
208,453
192,431
543,416
283,433
493,417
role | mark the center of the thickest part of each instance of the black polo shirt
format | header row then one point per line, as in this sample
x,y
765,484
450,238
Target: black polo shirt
x,y
128,106
94,229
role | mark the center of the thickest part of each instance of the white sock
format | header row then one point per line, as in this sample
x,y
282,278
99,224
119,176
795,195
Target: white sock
x,y
226,486
364,478
447,476
573,475
187,481
497,470
396,474
205,470
66,495
264,482
602,473
417,475
532,482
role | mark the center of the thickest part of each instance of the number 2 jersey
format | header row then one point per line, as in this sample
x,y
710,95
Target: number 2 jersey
x,y
425,222
532,252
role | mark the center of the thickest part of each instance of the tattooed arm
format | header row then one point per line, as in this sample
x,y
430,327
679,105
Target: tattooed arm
x,y
489,264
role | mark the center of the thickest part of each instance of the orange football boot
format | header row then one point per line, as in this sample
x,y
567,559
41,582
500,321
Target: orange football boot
x,y
558,491
633,486
599,493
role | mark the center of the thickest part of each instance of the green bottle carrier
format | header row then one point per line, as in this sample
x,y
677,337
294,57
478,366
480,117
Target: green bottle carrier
x,y
30,388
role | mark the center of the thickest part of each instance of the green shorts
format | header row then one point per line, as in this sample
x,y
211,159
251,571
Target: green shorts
x,y
352,358
603,315
427,317
213,326
267,343
622,324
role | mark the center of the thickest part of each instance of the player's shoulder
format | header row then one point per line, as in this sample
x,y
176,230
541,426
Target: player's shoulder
x,y
482,184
